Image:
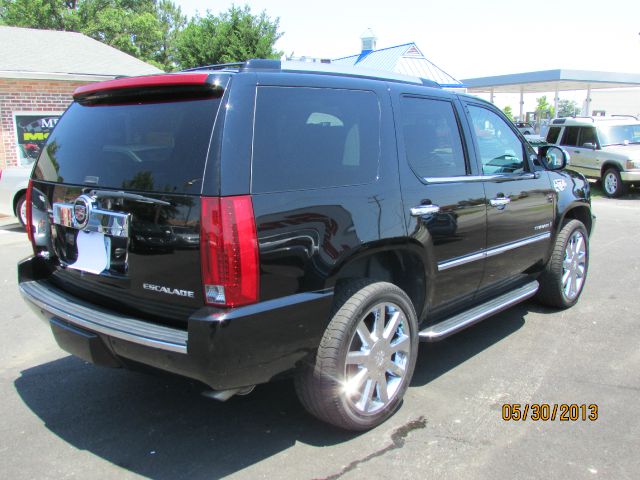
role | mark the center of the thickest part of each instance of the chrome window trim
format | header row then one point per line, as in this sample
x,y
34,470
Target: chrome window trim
x,y
480,178
491,252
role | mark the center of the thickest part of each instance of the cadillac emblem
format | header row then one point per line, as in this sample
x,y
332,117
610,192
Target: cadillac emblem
x,y
81,211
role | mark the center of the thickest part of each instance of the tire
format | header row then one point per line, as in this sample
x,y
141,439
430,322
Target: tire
x,y
360,373
612,183
21,211
565,274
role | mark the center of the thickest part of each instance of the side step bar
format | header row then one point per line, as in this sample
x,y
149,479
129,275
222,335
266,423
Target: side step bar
x,y
447,327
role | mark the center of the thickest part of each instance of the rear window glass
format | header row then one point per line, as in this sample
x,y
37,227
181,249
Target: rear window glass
x,y
314,138
159,147
570,136
552,134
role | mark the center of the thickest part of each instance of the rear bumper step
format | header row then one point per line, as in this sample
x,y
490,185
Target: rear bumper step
x,y
448,327
55,303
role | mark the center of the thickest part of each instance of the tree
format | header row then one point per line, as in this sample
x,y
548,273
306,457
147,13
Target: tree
x,y
543,109
42,14
172,22
508,111
568,108
233,36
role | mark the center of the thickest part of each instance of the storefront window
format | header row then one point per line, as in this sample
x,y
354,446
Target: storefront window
x,y
32,130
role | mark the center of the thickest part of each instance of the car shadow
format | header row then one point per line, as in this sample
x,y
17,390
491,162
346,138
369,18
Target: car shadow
x,y
13,227
159,426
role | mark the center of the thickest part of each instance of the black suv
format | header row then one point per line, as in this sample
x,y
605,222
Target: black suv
x,y
244,223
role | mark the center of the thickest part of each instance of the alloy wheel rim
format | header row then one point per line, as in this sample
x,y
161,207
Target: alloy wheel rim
x,y
574,266
377,359
611,183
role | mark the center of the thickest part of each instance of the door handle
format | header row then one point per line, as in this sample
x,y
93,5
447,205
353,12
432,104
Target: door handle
x,y
499,201
421,210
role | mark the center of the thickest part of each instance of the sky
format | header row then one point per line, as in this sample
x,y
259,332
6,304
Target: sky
x,y
466,38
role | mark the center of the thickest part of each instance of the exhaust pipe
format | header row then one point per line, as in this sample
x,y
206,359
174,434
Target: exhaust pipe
x,y
224,395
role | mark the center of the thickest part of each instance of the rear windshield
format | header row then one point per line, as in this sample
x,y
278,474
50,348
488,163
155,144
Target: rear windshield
x,y
153,147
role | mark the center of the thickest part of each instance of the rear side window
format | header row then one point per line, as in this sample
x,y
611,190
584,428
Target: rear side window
x,y
155,147
570,136
432,138
552,134
314,138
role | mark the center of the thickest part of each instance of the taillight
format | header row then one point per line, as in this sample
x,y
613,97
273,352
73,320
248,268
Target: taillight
x,y
29,215
229,251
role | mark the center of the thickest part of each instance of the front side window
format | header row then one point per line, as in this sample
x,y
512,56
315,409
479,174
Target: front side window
x,y
314,138
432,141
588,135
499,147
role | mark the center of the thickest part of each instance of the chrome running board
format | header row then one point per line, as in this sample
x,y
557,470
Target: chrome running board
x,y
465,319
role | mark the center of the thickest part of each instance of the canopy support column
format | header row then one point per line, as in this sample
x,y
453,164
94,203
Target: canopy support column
x,y
520,116
556,100
587,103
491,96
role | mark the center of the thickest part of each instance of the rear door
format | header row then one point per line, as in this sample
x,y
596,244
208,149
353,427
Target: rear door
x,y
520,201
118,187
444,201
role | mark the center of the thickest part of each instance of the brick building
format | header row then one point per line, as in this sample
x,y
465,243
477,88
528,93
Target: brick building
x,y
39,69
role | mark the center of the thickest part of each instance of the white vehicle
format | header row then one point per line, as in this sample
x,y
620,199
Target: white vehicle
x,y
603,148
13,191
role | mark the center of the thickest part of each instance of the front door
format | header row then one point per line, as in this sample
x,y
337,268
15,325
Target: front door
x,y
520,201
444,202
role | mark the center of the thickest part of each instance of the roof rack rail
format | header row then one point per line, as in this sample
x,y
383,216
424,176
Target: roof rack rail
x,y
584,116
627,116
216,66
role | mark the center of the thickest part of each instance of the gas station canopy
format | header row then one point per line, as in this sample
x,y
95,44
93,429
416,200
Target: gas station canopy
x,y
551,81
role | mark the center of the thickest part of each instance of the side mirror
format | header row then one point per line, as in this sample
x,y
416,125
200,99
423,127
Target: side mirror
x,y
590,145
552,157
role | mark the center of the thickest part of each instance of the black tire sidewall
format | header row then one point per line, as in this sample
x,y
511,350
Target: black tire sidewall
x,y
21,200
619,187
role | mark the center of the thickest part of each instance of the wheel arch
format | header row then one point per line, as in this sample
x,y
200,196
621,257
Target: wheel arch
x,y
16,197
578,212
405,264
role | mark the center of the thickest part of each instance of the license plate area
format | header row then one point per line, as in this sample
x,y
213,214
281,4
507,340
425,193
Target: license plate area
x,y
91,239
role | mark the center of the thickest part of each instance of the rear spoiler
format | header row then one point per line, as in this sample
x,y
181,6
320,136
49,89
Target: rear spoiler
x,y
147,82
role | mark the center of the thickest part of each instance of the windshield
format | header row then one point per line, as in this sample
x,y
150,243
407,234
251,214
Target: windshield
x,y
619,134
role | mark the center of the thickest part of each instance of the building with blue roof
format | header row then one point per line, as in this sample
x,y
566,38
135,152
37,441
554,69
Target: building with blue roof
x,y
406,59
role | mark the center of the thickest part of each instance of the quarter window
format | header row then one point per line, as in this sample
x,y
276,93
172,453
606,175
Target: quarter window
x,y
500,149
314,138
432,140
553,134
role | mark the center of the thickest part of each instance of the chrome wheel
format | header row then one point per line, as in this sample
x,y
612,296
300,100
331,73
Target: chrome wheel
x,y
610,183
377,359
574,265
22,212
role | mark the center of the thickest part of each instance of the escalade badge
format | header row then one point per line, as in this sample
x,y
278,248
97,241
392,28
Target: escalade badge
x,y
81,211
559,184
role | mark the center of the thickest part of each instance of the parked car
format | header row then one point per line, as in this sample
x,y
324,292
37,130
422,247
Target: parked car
x,y
13,191
602,148
525,128
343,217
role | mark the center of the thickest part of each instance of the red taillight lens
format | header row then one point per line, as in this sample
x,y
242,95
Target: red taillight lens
x,y
29,215
229,251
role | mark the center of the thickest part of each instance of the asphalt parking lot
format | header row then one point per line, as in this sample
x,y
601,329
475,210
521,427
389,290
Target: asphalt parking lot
x,y
63,418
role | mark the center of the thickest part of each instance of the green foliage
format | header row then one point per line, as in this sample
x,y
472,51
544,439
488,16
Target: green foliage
x,y
508,111
154,31
44,14
568,108
543,108
233,36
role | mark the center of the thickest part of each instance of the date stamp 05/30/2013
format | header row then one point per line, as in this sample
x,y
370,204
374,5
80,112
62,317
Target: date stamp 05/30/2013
x,y
545,412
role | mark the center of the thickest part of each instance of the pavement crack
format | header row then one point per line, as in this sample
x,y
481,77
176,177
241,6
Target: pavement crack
x,y
397,441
